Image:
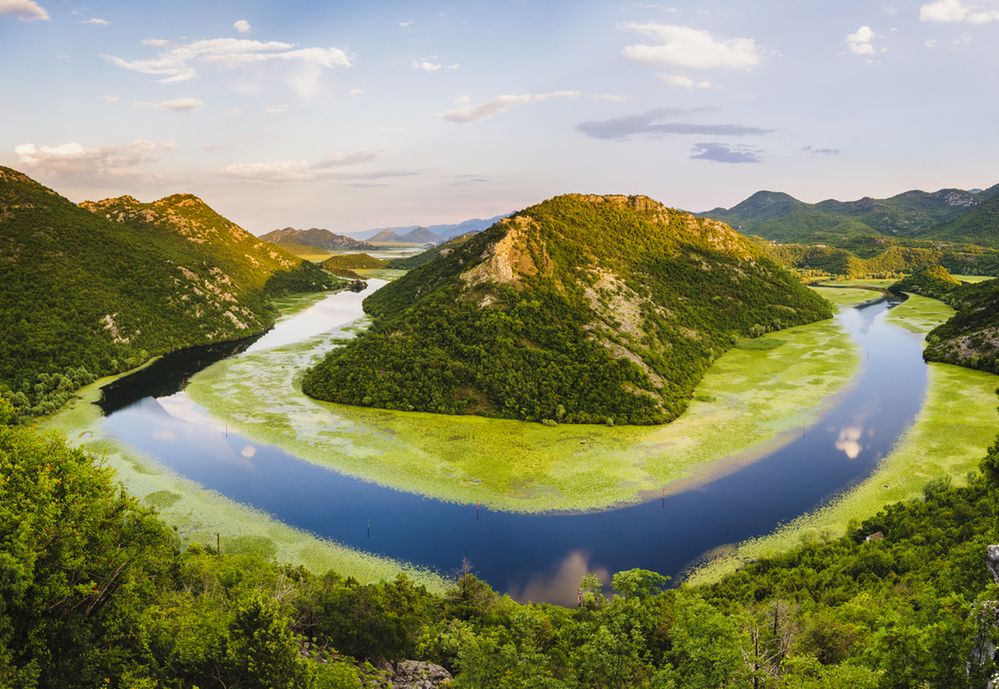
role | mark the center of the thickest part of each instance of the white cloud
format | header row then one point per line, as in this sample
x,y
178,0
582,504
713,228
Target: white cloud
x,y
175,104
355,92
960,11
181,104
308,171
429,64
96,21
110,100
470,113
683,46
685,82
242,26
861,42
609,97
406,25
157,42
276,109
931,43
25,10
182,62
72,160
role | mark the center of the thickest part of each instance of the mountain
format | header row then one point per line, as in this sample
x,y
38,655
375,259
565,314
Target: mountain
x,y
316,237
582,309
932,281
344,265
442,232
386,236
971,337
419,235
979,225
95,289
912,214
410,262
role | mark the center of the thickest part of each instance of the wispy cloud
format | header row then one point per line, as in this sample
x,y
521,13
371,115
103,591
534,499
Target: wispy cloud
x,y
96,21
25,10
960,11
174,104
242,26
725,153
683,46
684,82
430,64
502,103
406,25
182,62
110,100
821,151
658,123
305,170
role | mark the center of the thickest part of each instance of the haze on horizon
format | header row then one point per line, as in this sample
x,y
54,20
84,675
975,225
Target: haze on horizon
x,y
350,117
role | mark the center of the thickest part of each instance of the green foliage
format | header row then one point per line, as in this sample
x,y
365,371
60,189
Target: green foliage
x,y
579,309
349,261
971,337
95,592
932,281
87,293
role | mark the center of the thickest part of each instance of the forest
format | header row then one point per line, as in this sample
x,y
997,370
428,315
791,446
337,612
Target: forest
x,y
96,591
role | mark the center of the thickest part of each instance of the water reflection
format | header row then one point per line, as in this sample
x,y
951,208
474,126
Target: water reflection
x,y
541,556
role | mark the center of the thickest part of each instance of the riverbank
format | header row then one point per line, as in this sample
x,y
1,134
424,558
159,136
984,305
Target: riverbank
x,y
951,434
201,515
757,394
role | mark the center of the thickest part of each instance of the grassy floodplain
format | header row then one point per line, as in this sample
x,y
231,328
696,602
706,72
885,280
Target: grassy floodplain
x,y
754,391
199,514
948,439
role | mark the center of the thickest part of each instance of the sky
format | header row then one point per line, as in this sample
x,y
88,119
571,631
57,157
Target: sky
x,y
354,115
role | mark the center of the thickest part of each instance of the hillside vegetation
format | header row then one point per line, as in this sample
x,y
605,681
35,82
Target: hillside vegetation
x,y
97,591
971,337
97,289
581,309
952,215
932,281
345,265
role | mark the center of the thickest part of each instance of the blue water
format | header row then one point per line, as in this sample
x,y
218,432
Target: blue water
x,y
542,556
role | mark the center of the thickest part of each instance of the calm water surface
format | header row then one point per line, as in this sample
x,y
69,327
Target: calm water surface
x,y
535,556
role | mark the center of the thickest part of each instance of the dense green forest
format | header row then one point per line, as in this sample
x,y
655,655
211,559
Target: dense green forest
x,y
98,289
932,281
951,215
581,309
96,592
345,265
295,240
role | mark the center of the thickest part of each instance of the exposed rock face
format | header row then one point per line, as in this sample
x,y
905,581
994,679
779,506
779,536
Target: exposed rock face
x,y
417,674
992,561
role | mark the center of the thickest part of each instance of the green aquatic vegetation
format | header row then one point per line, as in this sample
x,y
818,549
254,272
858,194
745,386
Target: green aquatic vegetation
x,y
754,393
954,427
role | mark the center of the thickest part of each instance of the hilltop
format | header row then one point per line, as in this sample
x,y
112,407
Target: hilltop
x,y
410,262
909,215
417,235
294,240
95,289
579,309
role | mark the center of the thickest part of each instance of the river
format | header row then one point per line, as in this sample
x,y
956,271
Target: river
x,y
531,556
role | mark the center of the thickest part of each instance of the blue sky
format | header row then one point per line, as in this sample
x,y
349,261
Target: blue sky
x,y
350,115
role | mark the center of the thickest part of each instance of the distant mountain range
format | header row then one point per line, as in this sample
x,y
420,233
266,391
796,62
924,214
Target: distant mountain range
x,y
314,238
954,215
96,288
581,309
431,234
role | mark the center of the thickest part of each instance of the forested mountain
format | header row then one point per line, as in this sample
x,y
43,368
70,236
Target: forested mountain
x,y
96,289
912,214
971,337
579,309
344,265
292,240
931,281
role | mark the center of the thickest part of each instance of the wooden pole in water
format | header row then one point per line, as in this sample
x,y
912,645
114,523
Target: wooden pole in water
x,y
369,528
218,543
